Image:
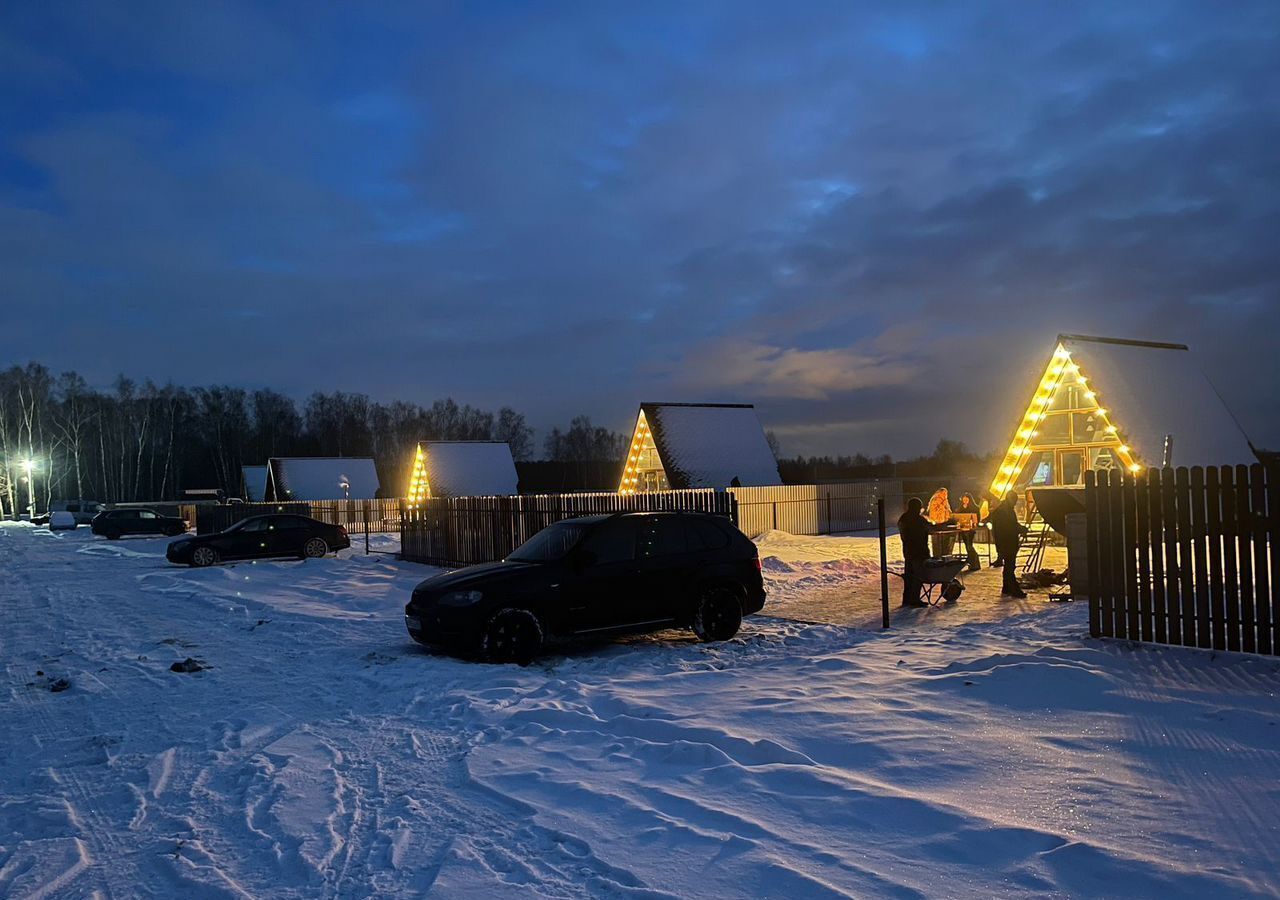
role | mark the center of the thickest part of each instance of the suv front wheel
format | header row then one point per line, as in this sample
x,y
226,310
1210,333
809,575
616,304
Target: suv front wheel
x,y
718,616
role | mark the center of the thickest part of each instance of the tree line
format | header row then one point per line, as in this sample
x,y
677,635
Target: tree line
x,y
139,441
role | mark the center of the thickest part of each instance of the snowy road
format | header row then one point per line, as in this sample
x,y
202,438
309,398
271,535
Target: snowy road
x,y
321,754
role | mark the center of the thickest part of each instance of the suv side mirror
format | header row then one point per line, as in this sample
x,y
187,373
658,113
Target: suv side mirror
x,y
582,560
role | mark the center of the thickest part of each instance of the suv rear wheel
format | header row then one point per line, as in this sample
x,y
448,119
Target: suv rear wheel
x,y
719,614
513,635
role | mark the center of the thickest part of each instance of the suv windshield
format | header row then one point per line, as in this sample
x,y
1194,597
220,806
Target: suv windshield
x,y
552,542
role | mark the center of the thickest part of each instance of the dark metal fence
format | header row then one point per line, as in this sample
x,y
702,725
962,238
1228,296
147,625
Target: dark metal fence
x,y
357,516
1185,556
461,531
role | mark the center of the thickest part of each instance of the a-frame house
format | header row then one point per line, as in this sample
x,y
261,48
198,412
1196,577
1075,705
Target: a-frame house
x,y
1106,403
697,445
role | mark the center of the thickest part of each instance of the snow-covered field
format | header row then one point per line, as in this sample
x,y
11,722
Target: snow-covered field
x,y
322,754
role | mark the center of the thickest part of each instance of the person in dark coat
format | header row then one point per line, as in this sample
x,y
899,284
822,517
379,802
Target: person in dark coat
x,y
913,530
1007,532
967,516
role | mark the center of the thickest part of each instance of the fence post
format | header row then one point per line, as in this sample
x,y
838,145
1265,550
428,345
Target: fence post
x,y
1092,541
884,565
1262,577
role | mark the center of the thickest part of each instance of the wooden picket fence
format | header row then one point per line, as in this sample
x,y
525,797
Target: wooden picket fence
x,y
1185,556
357,516
462,531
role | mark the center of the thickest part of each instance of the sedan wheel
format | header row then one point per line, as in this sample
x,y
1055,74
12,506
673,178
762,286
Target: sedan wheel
x,y
315,548
203,556
719,615
513,635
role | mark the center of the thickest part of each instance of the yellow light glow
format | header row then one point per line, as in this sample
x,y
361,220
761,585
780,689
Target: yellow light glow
x,y
1123,448
1135,468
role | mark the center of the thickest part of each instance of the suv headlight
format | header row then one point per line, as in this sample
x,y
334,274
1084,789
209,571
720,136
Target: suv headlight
x,y
460,598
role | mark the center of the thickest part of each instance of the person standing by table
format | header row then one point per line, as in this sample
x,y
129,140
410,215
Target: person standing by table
x,y
940,515
968,516
1007,532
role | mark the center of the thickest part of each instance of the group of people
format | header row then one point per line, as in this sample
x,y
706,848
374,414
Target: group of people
x,y
941,523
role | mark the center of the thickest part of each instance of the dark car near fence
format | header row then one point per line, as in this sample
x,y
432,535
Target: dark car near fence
x,y
116,523
261,537
595,575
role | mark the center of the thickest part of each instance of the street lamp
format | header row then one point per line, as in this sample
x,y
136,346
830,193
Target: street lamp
x,y
30,466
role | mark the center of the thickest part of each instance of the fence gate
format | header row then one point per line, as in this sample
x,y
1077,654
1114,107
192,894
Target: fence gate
x,y
1185,556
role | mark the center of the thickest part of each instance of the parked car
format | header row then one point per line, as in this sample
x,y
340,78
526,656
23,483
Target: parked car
x,y
61,520
261,537
83,510
595,575
115,523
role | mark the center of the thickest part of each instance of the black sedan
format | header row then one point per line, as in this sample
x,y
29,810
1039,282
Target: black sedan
x,y
115,523
595,575
261,537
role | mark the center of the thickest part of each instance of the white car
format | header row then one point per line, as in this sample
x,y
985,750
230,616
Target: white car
x,y
60,520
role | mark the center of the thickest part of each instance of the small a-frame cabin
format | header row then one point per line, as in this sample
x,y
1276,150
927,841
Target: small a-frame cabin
x,y
1105,403
697,445
321,478
462,469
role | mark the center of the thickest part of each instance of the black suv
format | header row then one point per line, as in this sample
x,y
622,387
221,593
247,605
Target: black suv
x,y
595,575
115,523
261,537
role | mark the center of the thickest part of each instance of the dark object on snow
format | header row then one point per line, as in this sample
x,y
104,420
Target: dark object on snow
x,y
188,665
115,523
595,575
59,685
1044,578
261,537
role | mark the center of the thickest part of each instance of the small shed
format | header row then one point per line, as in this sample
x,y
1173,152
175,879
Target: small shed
x,y
1107,403
253,483
321,478
462,469
697,445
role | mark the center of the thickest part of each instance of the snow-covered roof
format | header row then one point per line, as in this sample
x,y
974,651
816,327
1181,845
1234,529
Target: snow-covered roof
x,y
321,478
709,444
469,468
255,483
1152,390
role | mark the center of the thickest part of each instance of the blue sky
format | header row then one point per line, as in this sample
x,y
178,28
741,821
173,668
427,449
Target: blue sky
x,y
869,219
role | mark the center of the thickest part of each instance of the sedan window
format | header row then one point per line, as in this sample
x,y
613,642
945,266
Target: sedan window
x,y
146,514
254,524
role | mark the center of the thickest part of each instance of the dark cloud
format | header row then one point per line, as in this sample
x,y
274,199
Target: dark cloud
x,y
872,221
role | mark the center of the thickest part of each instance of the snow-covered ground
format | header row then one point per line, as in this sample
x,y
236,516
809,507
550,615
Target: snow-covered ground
x,y
322,754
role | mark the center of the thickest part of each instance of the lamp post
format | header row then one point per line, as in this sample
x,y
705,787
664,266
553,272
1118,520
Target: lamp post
x,y
30,465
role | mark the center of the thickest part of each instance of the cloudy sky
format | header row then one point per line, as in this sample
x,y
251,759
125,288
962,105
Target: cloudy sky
x,y
869,219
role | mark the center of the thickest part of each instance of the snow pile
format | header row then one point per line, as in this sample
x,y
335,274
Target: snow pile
x,y
321,753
